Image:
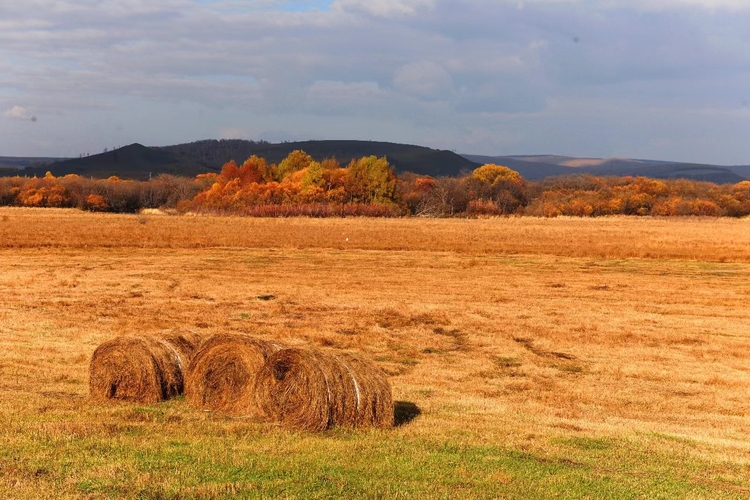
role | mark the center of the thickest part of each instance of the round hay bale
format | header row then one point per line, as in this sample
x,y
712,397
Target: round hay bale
x,y
313,390
145,370
292,388
185,342
373,391
221,375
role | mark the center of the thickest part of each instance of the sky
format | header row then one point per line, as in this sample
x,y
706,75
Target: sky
x,y
655,79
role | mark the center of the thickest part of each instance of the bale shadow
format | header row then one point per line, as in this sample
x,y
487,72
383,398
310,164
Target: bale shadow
x,y
404,412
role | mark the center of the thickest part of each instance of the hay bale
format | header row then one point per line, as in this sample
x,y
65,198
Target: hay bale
x,y
139,369
374,398
221,375
185,342
314,390
302,389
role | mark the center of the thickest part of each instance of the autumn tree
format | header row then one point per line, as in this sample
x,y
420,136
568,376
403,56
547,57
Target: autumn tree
x,y
300,185
415,192
741,192
313,176
255,170
498,185
371,180
296,160
229,171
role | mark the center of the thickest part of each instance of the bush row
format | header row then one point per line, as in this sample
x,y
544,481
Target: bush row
x,y
300,186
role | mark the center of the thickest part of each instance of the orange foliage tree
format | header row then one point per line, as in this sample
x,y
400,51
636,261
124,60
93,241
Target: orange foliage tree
x,y
299,185
300,181
495,190
596,196
112,194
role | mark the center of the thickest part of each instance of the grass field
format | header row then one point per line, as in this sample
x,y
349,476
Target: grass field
x,y
547,358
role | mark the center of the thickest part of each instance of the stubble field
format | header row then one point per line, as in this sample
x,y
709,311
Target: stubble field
x,y
547,358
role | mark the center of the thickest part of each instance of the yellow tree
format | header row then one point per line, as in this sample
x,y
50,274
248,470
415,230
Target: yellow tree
x,y
501,185
371,180
313,176
296,160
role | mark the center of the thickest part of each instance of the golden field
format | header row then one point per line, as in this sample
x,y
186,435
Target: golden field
x,y
550,358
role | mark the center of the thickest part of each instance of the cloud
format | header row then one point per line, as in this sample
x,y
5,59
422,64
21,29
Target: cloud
x,y
341,98
19,113
713,5
424,79
233,133
434,71
642,4
502,97
384,8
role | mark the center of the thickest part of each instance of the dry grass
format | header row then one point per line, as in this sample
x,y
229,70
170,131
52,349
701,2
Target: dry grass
x,y
716,240
536,335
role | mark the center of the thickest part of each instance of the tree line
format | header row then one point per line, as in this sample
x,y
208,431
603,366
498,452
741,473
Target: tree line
x,y
369,186
103,195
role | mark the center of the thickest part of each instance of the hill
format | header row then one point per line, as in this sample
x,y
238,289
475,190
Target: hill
x,y
130,162
741,170
10,165
529,169
404,157
542,166
139,162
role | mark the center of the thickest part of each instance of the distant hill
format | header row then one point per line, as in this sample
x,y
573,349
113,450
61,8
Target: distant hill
x,y
572,161
130,162
138,162
742,170
709,173
9,165
542,166
404,157
532,170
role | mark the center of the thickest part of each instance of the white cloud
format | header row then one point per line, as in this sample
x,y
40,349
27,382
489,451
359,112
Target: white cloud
x,y
424,79
645,4
18,113
233,133
732,5
341,98
401,70
385,8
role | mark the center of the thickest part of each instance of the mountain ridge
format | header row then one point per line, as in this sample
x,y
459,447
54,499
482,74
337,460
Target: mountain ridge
x,y
140,162
136,161
539,167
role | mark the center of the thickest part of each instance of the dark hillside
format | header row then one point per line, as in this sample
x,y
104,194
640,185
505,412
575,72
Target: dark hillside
x,y
405,158
140,162
531,170
18,162
130,162
692,171
536,168
741,170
